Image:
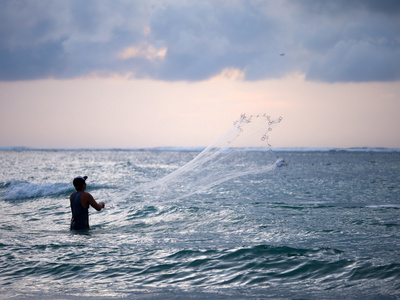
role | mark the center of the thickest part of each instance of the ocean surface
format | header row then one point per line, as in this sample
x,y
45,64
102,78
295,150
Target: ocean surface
x,y
324,225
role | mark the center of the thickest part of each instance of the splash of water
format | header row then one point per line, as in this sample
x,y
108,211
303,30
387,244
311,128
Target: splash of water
x,y
223,160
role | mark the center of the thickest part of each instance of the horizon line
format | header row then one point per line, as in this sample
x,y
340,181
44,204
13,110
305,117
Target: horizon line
x,y
199,149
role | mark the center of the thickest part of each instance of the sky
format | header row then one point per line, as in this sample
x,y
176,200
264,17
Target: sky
x,y
174,73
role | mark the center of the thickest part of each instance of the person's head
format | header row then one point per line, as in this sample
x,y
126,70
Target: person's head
x,y
80,183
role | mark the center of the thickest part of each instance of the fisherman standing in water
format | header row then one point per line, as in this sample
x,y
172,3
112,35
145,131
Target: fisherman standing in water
x,y
80,201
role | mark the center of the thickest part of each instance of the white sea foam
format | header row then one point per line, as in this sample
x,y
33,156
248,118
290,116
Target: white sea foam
x,y
384,206
16,189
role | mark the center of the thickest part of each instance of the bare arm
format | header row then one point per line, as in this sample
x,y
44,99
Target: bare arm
x,y
90,200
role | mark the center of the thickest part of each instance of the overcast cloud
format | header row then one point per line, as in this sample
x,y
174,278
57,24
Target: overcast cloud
x,y
331,41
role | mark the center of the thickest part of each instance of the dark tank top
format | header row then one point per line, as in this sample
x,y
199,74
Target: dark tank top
x,y
80,215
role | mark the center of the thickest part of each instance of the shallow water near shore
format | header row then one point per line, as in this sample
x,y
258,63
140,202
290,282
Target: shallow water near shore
x,y
325,226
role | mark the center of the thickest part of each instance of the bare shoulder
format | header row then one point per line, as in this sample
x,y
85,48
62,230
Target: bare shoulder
x,y
86,195
89,200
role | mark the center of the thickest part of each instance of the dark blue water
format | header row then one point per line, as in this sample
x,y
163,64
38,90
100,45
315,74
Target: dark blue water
x,y
325,226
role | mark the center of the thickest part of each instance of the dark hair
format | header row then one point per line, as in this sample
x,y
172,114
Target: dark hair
x,y
78,183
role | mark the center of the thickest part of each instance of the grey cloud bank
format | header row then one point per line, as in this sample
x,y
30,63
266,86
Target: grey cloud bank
x,y
331,41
